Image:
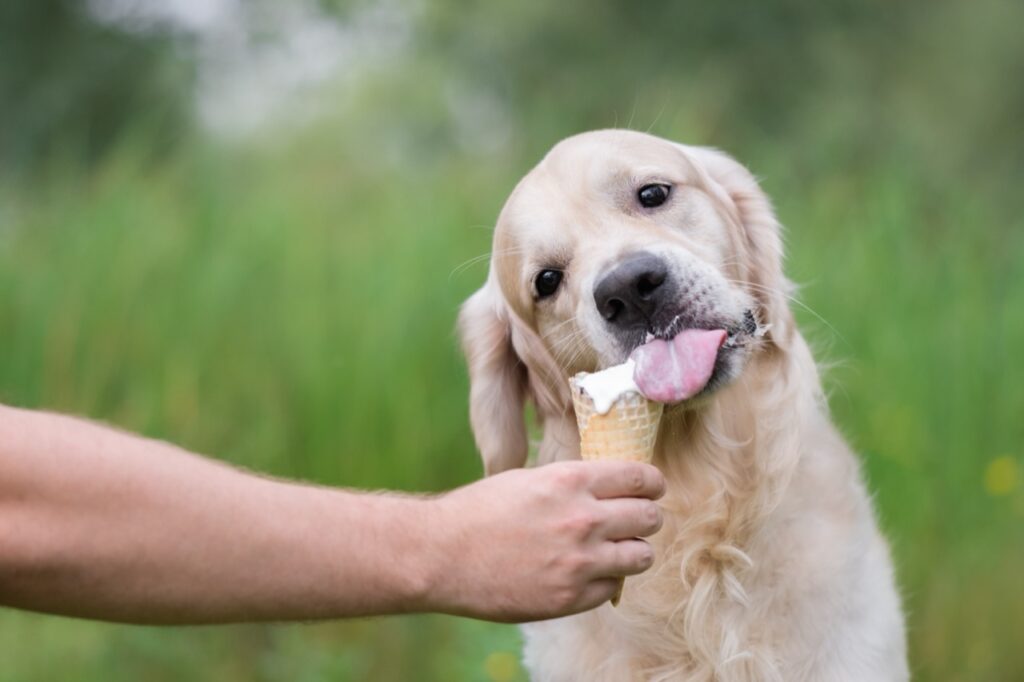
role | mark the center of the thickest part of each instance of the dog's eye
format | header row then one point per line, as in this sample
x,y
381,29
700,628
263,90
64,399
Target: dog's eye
x,y
652,195
547,282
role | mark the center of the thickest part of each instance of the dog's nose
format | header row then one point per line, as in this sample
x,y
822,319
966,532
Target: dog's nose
x,y
630,294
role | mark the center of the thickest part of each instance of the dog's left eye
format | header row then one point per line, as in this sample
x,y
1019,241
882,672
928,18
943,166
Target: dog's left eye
x,y
651,196
547,282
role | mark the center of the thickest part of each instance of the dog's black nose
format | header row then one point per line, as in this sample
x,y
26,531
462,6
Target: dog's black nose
x,y
631,293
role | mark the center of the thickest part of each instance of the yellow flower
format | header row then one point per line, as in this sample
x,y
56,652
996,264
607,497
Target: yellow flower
x,y
1001,476
501,666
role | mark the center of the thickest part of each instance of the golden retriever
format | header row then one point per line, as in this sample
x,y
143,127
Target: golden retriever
x,y
770,565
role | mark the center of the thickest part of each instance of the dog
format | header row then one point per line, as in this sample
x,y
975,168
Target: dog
x,y
770,564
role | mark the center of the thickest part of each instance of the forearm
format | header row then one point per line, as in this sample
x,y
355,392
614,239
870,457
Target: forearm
x,y
102,524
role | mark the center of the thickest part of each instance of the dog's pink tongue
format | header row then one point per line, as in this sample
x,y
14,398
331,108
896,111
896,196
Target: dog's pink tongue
x,y
672,371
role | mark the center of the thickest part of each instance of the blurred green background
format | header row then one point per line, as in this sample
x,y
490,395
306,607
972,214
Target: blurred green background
x,y
246,227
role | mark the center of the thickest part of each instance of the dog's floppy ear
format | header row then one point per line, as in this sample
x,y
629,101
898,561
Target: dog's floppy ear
x,y
498,381
762,239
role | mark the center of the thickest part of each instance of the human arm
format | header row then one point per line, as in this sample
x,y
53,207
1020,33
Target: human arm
x,y
98,523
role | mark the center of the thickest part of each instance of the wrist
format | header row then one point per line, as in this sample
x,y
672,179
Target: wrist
x,y
435,555
422,536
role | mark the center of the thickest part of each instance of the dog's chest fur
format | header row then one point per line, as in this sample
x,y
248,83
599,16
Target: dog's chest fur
x,y
802,591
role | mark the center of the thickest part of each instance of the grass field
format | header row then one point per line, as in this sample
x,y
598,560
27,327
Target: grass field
x,y
291,311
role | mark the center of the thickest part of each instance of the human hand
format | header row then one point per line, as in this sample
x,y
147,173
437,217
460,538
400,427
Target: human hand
x,y
531,544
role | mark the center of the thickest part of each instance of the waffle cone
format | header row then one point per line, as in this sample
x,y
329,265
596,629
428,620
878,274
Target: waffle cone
x,y
627,432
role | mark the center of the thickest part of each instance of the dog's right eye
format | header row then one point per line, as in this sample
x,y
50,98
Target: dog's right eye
x,y
547,282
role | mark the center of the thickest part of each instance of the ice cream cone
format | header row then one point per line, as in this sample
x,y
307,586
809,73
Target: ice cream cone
x,y
626,432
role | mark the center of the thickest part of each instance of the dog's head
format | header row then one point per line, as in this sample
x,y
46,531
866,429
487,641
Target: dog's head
x,y
616,238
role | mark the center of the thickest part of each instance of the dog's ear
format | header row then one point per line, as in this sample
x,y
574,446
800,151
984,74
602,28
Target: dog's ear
x,y
498,381
762,240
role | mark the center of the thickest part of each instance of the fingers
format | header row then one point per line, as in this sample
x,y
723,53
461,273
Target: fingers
x,y
615,560
625,479
627,518
625,557
597,592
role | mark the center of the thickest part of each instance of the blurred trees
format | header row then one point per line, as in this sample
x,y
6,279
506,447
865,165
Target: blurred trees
x,y
935,80
932,78
71,85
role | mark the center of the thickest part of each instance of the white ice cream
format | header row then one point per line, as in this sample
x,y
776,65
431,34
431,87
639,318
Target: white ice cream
x,y
605,387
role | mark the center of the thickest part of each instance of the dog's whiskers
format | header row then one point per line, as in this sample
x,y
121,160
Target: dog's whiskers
x,y
465,265
573,343
565,344
793,299
558,327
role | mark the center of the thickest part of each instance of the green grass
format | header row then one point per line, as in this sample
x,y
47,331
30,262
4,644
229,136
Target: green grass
x,y
291,311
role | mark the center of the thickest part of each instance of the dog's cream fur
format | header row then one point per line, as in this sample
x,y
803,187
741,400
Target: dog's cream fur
x,y
769,564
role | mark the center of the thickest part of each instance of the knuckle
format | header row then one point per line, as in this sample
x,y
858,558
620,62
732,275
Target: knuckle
x,y
564,597
574,567
583,565
581,524
568,477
